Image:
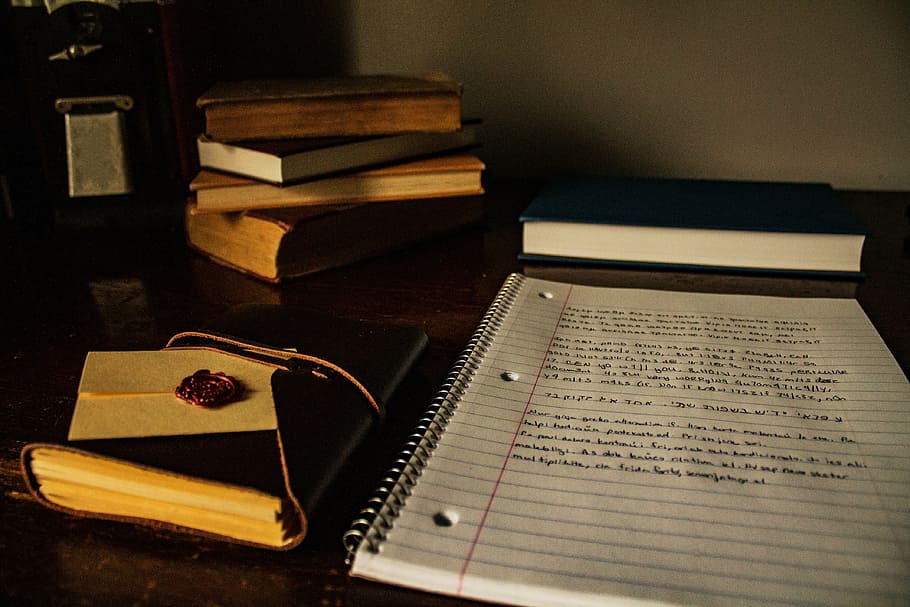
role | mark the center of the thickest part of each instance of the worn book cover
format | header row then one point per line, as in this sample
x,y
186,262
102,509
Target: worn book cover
x,y
339,106
280,244
306,390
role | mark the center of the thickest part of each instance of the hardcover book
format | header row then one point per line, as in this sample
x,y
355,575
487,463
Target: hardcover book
x,y
285,161
152,441
789,227
280,244
320,107
441,176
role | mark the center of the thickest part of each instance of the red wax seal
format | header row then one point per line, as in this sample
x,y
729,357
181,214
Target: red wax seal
x,y
206,389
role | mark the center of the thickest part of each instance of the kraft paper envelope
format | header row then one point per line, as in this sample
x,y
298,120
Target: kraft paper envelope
x,y
131,394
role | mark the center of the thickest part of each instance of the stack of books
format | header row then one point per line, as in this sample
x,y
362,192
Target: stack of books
x,y
304,175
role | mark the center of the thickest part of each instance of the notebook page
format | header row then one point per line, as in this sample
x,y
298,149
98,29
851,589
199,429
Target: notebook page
x,y
658,447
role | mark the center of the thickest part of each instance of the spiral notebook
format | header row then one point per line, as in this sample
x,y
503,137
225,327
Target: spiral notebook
x,y
630,447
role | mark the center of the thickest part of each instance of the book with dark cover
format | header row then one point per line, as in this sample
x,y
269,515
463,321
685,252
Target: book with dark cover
x,y
320,369
798,227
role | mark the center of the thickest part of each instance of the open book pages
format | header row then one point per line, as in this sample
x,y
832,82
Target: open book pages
x,y
636,447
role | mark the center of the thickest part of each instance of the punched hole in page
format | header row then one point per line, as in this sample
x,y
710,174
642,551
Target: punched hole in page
x,y
445,518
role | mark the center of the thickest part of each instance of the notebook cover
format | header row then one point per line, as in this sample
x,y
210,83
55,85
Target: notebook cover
x,y
694,203
321,418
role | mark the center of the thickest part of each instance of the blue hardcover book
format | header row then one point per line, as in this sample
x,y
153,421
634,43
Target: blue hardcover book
x,y
745,225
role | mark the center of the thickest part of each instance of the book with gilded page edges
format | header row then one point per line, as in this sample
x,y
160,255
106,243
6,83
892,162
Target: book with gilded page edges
x,y
608,446
248,462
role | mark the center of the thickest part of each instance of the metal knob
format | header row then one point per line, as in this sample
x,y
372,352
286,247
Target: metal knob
x,y
75,51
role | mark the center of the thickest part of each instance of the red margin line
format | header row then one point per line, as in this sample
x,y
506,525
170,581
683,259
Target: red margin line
x,y
505,463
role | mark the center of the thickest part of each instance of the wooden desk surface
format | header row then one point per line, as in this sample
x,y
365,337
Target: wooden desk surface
x,y
73,293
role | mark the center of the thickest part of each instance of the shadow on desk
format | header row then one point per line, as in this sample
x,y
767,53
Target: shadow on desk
x,y
701,282
161,578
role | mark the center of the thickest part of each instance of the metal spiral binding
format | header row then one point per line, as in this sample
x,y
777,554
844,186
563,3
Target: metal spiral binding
x,y
376,519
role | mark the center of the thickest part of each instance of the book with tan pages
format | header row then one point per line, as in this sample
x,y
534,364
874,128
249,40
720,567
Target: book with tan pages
x,y
610,446
441,176
235,432
275,245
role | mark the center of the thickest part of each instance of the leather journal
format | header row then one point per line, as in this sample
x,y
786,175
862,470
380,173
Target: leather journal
x,y
233,432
